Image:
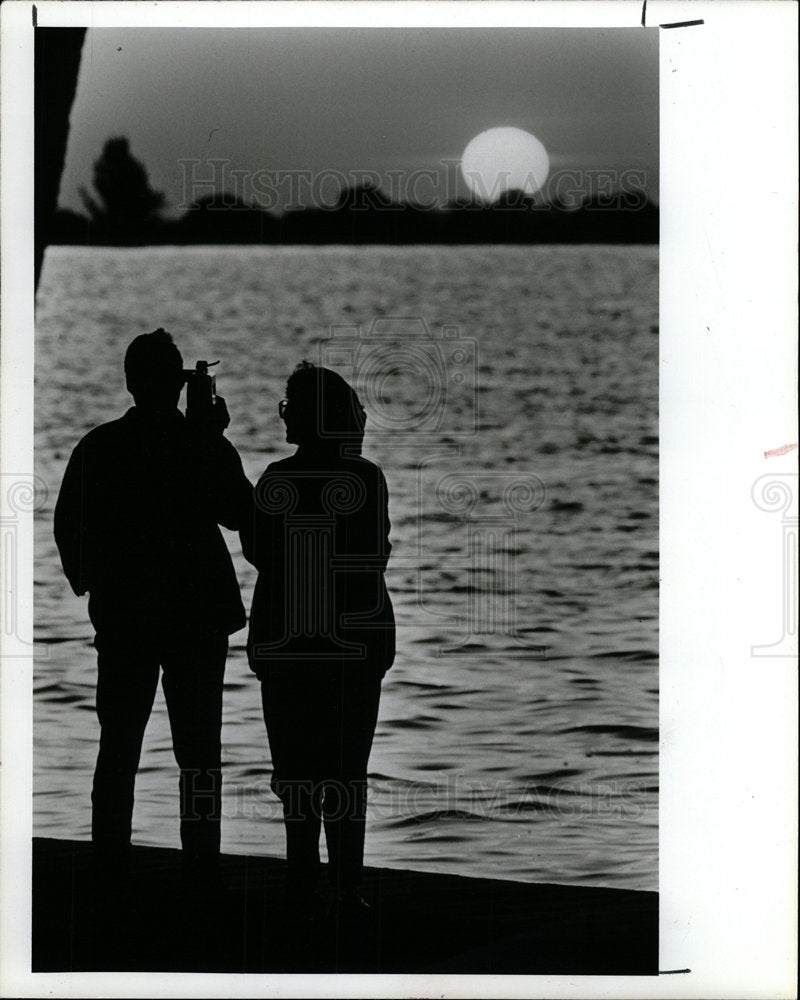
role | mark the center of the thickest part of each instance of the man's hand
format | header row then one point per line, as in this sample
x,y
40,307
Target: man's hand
x,y
221,417
214,421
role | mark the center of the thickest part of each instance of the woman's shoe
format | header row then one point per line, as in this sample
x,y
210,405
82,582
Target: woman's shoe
x,y
351,901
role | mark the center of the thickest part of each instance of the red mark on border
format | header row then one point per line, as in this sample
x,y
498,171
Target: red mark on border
x,y
783,450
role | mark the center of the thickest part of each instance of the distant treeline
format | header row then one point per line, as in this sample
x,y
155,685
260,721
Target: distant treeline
x,y
127,212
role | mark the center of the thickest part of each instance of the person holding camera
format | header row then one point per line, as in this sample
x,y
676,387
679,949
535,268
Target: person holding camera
x,y
322,632
137,527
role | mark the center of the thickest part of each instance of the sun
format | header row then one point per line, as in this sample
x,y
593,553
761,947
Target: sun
x,y
504,159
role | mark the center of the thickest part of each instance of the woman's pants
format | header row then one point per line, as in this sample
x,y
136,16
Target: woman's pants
x,y
320,723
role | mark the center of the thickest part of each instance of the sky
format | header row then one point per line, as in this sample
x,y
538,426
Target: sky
x,y
283,110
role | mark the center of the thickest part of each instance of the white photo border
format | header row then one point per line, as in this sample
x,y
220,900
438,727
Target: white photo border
x,y
728,383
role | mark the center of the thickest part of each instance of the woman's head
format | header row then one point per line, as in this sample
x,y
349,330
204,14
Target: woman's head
x,y
322,410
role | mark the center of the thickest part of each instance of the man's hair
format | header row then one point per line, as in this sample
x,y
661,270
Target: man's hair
x,y
326,397
152,357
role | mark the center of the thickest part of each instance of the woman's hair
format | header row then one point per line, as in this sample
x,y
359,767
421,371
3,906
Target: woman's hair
x,y
328,407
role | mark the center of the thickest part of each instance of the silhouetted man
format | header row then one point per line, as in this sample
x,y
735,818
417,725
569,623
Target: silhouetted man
x,y
136,524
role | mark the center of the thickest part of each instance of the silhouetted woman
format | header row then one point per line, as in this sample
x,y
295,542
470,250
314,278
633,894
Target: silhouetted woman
x,y
321,627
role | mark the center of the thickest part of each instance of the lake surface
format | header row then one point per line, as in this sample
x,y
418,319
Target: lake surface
x,y
512,395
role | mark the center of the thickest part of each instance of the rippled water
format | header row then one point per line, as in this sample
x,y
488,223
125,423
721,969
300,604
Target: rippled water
x,y
517,427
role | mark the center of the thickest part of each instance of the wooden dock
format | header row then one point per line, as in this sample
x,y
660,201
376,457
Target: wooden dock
x,y
156,919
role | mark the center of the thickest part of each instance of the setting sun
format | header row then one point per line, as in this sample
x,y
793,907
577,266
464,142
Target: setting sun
x,y
504,159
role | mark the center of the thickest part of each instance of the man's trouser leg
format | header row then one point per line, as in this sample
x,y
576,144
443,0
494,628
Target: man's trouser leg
x,y
193,679
127,678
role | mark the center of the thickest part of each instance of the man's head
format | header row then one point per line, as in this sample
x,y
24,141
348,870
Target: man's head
x,y
154,371
321,409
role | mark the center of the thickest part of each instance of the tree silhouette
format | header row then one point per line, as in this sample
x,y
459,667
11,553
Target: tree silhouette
x,y
128,211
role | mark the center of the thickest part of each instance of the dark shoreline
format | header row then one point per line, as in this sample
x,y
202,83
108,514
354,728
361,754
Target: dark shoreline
x,y
366,217
159,920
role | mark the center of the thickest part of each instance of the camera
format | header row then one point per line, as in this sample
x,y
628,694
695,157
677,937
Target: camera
x,y
201,390
412,380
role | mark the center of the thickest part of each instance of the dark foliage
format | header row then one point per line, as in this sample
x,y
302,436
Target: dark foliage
x,y
129,214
